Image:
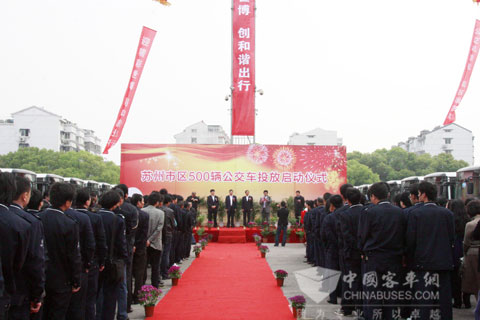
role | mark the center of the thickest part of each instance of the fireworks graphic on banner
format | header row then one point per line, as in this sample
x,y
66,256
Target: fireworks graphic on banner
x,y
284,158
315,159
338,160
257,153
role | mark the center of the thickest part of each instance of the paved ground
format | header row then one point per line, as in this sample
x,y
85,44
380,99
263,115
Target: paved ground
x,y
290,258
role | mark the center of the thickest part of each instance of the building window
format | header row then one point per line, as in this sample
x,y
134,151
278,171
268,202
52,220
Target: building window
x,y
447,130
311,136
448,151
194,130
194,140
25,132
448,140
311,143
23,145
212,129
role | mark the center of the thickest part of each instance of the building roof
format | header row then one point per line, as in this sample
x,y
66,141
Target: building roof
x,y
448,125
38,108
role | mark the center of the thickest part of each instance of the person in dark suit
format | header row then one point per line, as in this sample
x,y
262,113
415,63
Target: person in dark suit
x,y
194,200
175,253
231,206
189,223
247,207
140,255
299,203
36,202
16,234
167,235
308,227
64,263
321,214
97,264
77,307
212,205
265,204
330,239
108,286
381,238
28,285
349,220
430,238
282,224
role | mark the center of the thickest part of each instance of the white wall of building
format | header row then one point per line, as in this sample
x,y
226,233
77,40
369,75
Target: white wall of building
x,y
317,137
452,139
201,133
8,140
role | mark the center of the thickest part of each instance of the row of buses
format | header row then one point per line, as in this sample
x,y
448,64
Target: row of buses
x,y
463,184
43,181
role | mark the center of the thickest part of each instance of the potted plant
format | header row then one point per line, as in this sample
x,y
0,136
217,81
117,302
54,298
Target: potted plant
x,y
200,220
251,224
209,237
265,232
273,221
203,243
301,235
298,305
263,250
257,239
200,232
174,273
197,249
148,297
280,275
210,224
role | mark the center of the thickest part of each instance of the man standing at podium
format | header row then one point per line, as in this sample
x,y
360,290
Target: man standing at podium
x,y
230,205
212,204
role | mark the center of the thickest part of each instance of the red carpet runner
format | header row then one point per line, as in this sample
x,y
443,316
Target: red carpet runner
x,y
232,235
227,282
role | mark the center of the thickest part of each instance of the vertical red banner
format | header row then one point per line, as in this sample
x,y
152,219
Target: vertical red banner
x,y
243,68
144,45
467,73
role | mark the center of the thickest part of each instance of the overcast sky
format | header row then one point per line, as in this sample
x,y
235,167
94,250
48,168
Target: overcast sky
x,y
376,71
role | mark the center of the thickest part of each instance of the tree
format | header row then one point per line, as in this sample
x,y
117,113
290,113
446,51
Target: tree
x,y
82,164
358,173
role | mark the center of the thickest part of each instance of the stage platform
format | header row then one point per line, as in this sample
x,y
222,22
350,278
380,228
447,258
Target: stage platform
x,y
242,235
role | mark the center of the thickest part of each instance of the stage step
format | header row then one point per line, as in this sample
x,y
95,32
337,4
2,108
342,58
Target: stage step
x,y
232,235
232,239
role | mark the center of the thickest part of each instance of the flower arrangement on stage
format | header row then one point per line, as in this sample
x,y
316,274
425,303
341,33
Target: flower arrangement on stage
x,y
265,224
251,224
197,249
257,238
265,233
174,272
280,274
300,234
203,243
148,295
210,224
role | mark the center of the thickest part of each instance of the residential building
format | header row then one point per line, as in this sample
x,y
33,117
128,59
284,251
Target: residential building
x,y
37,127
452,138
201,133
316,137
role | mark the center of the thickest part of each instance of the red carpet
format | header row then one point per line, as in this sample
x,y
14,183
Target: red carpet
x,y
228,282
232,235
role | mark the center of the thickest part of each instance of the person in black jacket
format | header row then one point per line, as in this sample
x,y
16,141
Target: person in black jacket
x,y
116,250
282,223
140,255
97,264
430,238
321,214
30,284
176,252
381,238
299,203
212,205
349,220
230,206
247,207
16,234
188,225
194,200
167,236
308,226
76,309
64,264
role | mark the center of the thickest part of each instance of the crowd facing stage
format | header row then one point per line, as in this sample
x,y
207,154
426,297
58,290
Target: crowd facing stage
x,y
412,259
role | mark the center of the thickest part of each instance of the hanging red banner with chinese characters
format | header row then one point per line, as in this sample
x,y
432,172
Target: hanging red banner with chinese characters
x,y
146,40
243,64
467,73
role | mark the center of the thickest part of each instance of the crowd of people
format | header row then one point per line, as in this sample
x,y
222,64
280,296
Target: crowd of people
x,y
416,258
65,256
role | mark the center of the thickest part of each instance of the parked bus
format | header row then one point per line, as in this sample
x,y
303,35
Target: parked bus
x,y
93,186
408,182
445,183
46,180
30,175
468,182
77,183
395,188
104,187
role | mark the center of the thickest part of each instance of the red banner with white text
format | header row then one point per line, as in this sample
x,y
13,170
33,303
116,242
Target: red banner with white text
x,y
243,64
467,73
280,169
144,45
